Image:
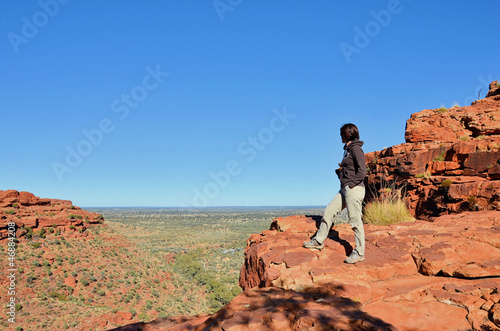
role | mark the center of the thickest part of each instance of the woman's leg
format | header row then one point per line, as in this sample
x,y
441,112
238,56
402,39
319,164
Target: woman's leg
x,y
354,202
331,211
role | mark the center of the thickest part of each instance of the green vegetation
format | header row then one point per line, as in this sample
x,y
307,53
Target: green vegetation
x,y
472,200
221,289
426,174
498,84
440,157
442,110
29,233
57,295
446,183
464,138
388,208
10,211
73,217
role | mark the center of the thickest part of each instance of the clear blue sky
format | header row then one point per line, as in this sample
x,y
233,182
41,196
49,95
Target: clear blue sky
x,y
222,103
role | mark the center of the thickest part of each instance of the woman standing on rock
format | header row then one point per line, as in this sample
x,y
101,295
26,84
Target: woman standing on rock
x,y
351,173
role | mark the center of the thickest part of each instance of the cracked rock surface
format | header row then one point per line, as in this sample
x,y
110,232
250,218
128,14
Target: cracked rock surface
x,y
441,275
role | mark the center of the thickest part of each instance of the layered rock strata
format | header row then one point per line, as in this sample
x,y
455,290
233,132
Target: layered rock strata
x,y
31,213
450,162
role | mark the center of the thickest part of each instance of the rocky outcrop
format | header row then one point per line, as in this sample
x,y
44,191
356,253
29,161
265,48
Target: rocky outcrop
x,y
441,275
31,213
450,162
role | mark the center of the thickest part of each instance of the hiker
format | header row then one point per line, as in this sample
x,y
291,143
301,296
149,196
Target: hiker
x,y
352,172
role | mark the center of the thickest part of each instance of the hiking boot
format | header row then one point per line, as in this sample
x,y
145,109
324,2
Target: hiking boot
x,y
314,244
354,257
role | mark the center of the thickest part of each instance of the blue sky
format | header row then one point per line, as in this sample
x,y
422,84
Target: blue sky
x,y
226,102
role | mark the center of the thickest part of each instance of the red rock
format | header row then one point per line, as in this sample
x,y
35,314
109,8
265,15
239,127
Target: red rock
x,y
393,276
435,147
481,162
495,314
70,281
36,213
494,89
421,316
479,320
7,198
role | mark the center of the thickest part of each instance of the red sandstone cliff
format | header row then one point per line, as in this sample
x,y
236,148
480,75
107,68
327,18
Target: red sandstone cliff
x,y
451,159
30,212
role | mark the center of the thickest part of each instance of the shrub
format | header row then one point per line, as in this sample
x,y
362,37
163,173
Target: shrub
x,y
10,211
442,110
387,208
42,233
36,245
446,183
426,174
57,295
29,234
440,157
472,200
15,205
464,138
73,217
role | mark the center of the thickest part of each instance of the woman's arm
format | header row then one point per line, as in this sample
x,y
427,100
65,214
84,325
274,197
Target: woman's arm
x,y
359,164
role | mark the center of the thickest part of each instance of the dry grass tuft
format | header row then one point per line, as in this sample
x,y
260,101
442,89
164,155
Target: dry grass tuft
x,y
388,208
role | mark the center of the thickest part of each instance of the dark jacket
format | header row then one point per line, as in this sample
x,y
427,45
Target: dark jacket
x,y
352,169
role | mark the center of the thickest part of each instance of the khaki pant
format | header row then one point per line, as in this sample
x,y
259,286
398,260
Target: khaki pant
x,y
353,200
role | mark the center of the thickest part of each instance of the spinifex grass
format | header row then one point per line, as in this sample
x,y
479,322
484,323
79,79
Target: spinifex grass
x,y
389,207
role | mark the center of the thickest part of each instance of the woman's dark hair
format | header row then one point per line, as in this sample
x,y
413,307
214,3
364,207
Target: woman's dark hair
x,y
349,131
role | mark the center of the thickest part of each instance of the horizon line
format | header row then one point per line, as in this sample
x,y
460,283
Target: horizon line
x,y
208,207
